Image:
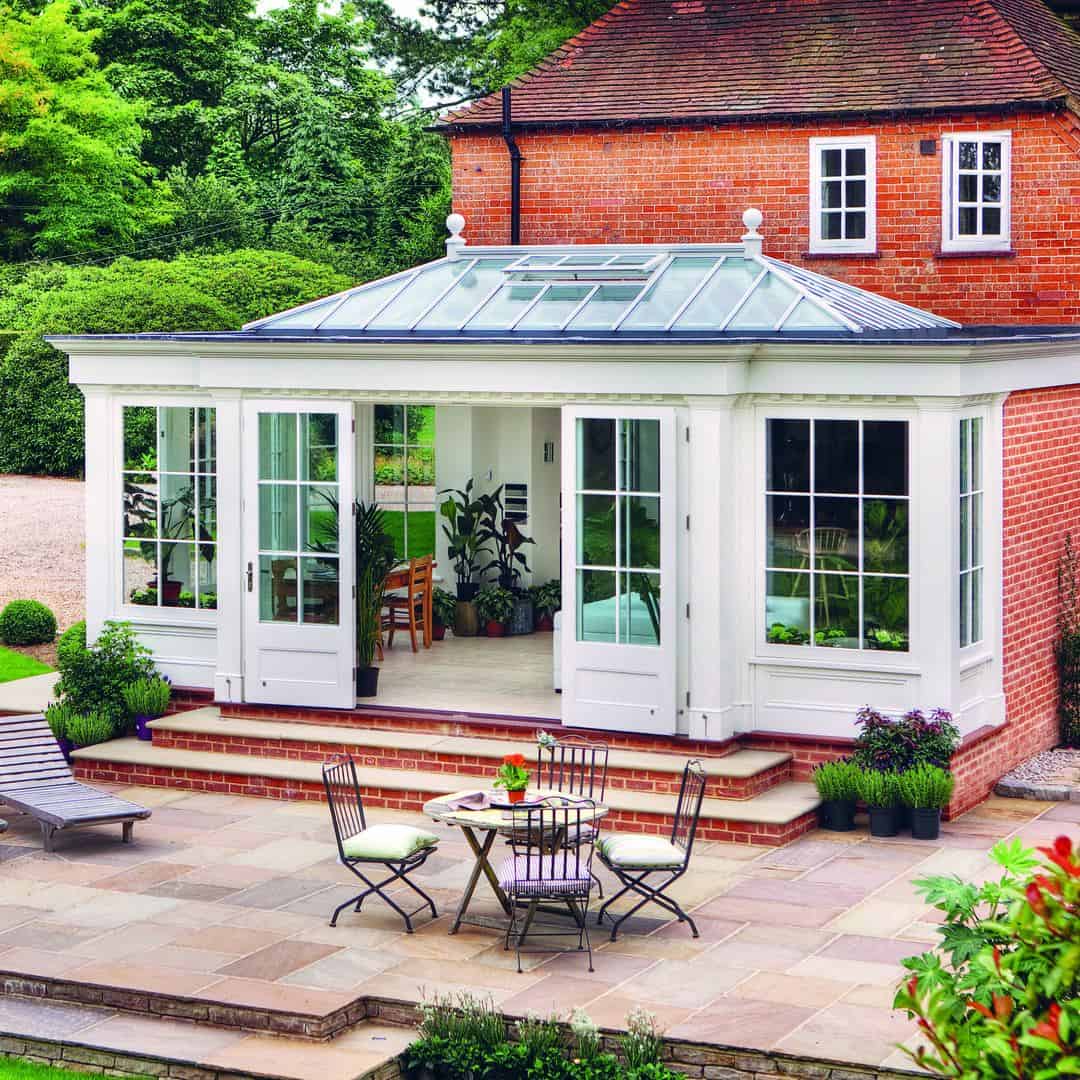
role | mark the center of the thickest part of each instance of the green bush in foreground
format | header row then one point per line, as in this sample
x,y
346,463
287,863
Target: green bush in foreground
x,y
1000,997
837,781
27,622
462,1039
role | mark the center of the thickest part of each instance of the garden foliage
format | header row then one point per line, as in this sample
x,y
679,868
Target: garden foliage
x,y
1000,996
93,678
837,781
1067,649
895,745
27,622
463,1039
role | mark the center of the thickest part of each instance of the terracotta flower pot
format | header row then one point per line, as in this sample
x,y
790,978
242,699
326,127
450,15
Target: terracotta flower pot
x,y
545,624
438,631
516,796
495,629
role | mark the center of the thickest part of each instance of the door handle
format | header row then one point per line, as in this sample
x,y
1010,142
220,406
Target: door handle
x,y
250,578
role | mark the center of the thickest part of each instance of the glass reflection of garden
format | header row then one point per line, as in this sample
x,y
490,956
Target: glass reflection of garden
x,y
404,463
170,504
837,534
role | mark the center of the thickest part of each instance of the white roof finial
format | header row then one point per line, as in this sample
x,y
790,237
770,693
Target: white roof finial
x,y
752,239
455,241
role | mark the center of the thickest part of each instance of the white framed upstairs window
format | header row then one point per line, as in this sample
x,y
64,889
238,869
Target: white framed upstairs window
x,y
843,195
971,531
975,197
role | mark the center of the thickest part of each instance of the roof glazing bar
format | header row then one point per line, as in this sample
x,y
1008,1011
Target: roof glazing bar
x,y
779,324
382,307
438,299
529,306
333,309
798,286
479,307
570,318
696,291
742,299
651,283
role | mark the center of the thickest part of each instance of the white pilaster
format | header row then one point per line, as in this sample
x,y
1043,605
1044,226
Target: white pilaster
x,y
104,450
231,567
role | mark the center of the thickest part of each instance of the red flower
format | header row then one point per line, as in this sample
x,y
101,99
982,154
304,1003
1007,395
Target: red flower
x,y
1061,854
979,1007
1035,899
517,760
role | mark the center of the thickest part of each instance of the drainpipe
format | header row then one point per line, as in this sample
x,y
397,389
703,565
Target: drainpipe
x,y
515,169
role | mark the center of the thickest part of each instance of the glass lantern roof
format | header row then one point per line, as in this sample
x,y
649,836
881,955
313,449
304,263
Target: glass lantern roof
x,y
601,291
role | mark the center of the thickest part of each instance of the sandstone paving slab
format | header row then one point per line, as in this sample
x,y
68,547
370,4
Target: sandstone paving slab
x,y
13,915
234,940
855,971
554,995
434,983
193,819
878,916
42,868
849,1032
791,989
275,893
343,970
755,956
258,994
41,962
486,977
1064,812
711,930
191,890
612,966
612,1009
278,960
46,1019
158,978
108,911
271,1056
232,877
868,874
184,1041
682,984
880,950
51,936
799,892
735,908
287,923
744,1022
141,878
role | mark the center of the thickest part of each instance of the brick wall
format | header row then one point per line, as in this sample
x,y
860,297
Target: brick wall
x,y
692,183
1042,503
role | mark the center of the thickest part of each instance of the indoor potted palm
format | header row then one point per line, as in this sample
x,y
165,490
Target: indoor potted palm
x,y
375,555
508,560
837,783
461,528
443,613
513,776
496,607
147,699
926,790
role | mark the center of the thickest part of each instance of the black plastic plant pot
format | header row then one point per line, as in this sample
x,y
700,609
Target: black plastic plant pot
x,y
838,815
925,823
367,682
468,591
884,820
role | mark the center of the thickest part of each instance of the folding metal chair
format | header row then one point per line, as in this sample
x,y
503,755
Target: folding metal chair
x,y
575,766
636,859
544,869
400,849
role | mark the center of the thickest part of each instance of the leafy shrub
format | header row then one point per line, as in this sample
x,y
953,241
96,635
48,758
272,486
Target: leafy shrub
x,y
879,789
58,716
547,598
147,697
93,678
1067,647
462,1039
781,634
895,745
837,781
88,729
27,622
72,641
926,787
1000,996
495,604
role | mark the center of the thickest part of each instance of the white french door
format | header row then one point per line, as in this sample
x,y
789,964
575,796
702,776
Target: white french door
x,y
299,632
619,568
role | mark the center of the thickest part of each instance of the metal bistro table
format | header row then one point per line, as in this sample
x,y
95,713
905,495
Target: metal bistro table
x,y
480,829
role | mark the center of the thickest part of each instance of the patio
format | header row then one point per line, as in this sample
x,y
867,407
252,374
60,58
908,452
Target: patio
x,y
224,900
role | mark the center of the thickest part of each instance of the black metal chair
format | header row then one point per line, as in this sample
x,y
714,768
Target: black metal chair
x,y
575,766
543,869
635,859
400,849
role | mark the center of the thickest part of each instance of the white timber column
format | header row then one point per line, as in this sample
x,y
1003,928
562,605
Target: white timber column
x,y
229,674
713,589
104,450
934,605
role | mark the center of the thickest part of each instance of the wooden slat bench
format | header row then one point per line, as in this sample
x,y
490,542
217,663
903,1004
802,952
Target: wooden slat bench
x,y
36,780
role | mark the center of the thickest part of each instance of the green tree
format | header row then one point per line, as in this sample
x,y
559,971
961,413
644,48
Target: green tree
x,y
71,176
41,415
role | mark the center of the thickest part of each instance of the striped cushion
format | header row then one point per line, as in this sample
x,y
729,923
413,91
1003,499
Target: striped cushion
x,y
544,875
640,852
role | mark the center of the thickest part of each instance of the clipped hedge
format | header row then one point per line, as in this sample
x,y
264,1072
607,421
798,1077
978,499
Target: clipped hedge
x,y
27,622
41,414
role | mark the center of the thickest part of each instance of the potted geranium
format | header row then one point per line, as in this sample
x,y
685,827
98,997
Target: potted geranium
x,y
496,607
881,793
926,790
837,783
513,776
147,699
443,613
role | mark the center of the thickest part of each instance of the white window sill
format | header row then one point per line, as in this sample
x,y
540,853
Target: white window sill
x,y
189,618
1003,252
859,661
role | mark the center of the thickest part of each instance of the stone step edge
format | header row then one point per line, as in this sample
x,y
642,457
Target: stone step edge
x,y
779,805
737,765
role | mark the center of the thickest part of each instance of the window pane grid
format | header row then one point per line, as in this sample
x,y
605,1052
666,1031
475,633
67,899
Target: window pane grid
x,y
977,188
970,531
842,193
169,522
805,602
403,445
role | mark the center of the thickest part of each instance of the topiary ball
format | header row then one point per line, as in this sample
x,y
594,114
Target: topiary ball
x,y
72,642
27,622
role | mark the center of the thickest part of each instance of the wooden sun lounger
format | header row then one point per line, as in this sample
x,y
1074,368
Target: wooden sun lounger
x,y
36,780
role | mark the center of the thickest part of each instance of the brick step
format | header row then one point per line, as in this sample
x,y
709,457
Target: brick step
x,y
739,775
774,817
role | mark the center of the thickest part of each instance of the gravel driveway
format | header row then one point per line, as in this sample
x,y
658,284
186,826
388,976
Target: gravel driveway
x,y
42,547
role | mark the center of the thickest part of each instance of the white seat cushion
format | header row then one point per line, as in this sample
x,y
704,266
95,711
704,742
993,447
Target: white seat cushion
x,y
640,852
388,843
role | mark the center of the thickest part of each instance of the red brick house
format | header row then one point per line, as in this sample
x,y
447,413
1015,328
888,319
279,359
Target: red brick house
x,y
928,150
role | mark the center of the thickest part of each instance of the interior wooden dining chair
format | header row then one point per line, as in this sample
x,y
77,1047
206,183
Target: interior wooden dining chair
x,y
412,611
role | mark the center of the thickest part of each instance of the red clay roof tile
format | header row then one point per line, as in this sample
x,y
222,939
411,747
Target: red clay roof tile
x,y
692,59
